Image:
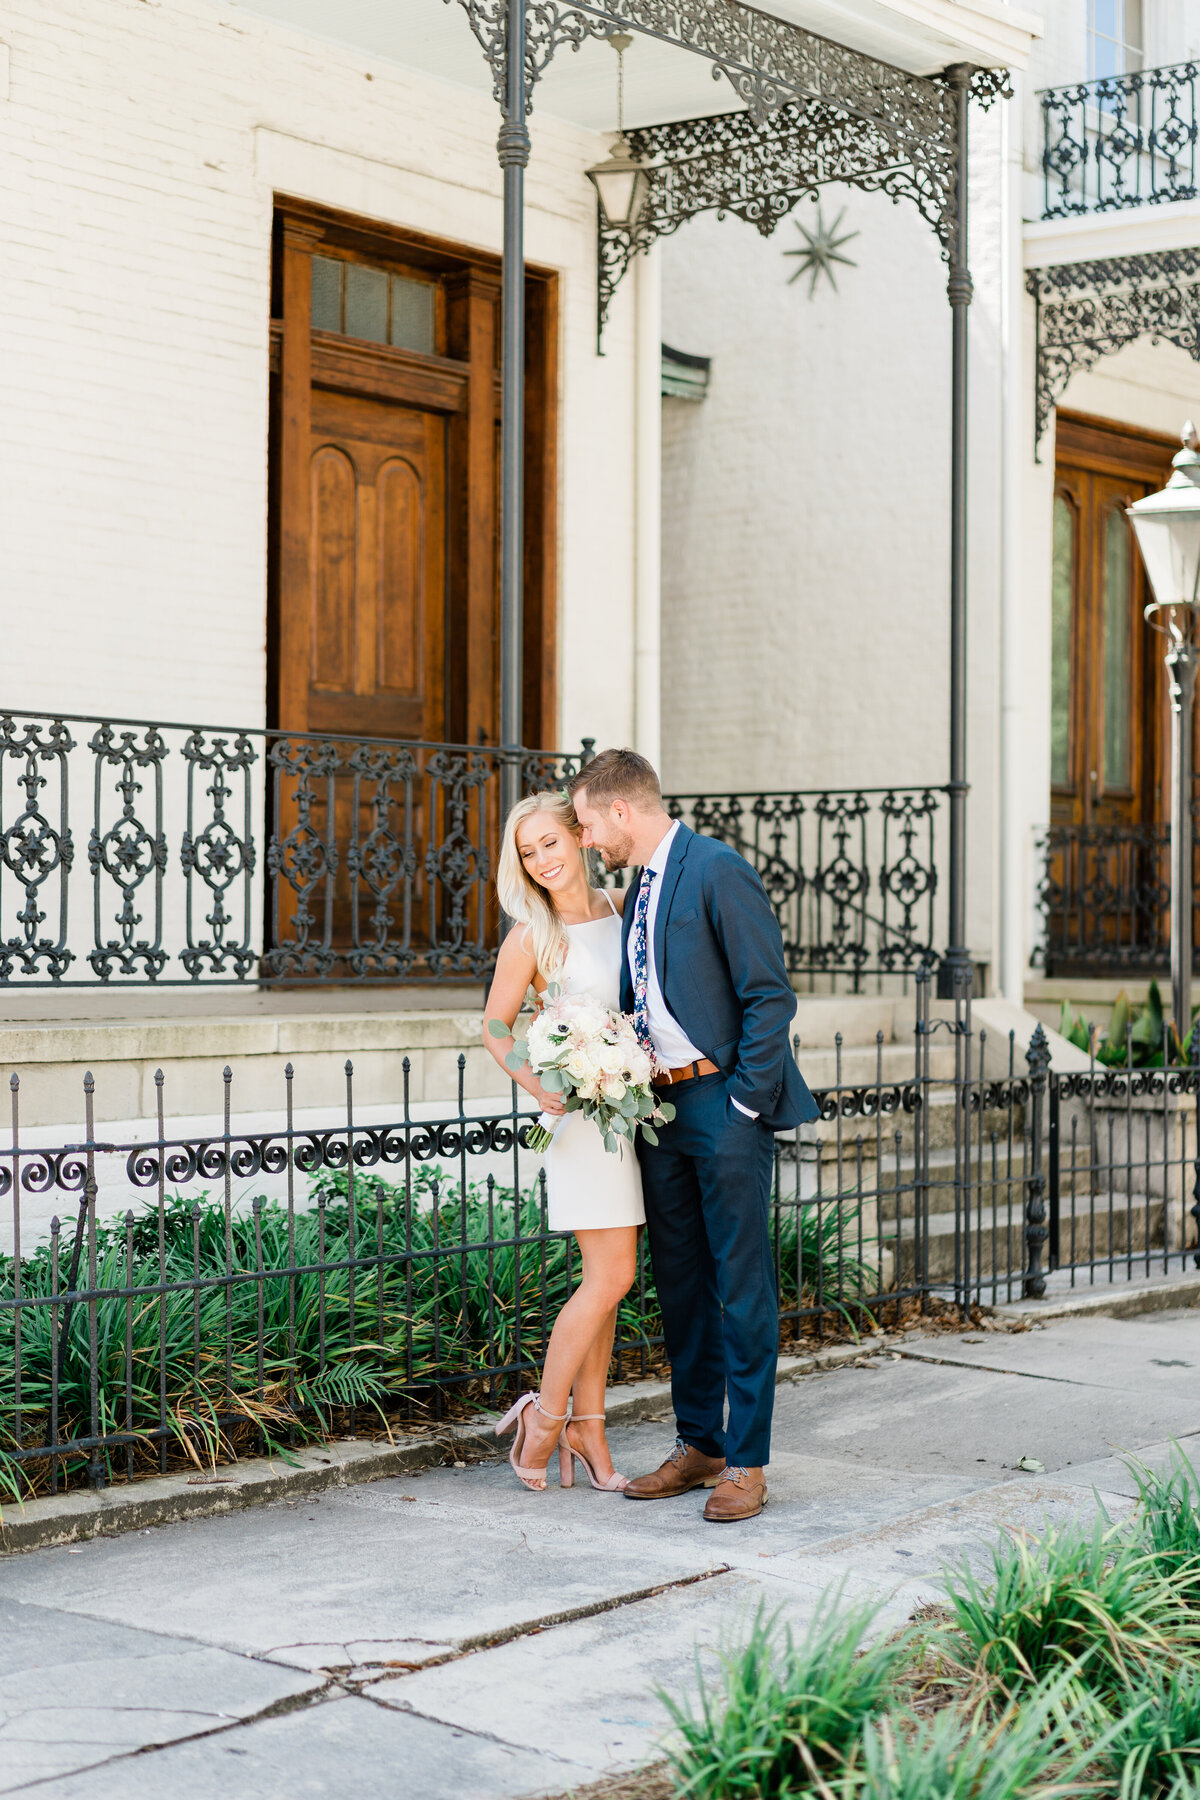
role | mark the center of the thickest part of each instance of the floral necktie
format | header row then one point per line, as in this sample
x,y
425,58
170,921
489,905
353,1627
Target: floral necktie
x,y
641,1020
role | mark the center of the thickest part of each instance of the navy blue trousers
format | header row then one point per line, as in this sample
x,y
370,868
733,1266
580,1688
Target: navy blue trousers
x,y
707,1189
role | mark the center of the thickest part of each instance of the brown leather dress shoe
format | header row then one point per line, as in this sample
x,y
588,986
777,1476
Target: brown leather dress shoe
x,y
739,1494
686,1468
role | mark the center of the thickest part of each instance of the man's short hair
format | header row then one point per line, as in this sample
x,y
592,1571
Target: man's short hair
x,y
619,775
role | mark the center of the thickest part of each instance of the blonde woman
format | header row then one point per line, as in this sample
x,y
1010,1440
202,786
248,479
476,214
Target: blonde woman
x,y
568,933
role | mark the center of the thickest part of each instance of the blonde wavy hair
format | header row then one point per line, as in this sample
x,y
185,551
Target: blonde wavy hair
x,y
523,898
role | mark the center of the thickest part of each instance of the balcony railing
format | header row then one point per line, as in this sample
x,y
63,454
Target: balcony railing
x,y
134,853
852,873
1126,140
1105,899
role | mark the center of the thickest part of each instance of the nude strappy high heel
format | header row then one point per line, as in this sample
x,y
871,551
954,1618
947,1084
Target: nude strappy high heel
x,y
567,1453
515,1420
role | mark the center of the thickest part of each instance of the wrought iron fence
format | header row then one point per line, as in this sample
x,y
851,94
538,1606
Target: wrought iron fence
x,y
179,1297
852,873
1125,140
1104,896
133,852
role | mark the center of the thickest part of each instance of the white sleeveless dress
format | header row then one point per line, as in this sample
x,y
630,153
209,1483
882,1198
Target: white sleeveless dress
x,y
588,1187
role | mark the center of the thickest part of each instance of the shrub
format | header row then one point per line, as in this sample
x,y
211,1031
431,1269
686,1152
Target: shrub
x,y
1156,1742
784,1715
1074,1597
1168,1517
1038,1748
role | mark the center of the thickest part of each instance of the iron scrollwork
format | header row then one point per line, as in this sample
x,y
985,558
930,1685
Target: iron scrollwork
x,y
216,856
851,874
33,850
1087,310
128,852
759,172
1125,140
904,144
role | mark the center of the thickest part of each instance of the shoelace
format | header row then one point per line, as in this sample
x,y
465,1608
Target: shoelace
x,y
679,1452
734,1473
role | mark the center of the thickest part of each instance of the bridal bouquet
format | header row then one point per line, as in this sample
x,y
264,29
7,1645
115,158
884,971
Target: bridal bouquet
x,y
591,1056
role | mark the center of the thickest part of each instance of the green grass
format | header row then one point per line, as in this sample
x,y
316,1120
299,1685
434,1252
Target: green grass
x,y
1092,1598
784,1713
1041,1747
1169,1516
464,1286
1156,1743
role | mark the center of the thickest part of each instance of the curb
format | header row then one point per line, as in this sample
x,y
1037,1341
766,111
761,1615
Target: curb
x,y
75,1517
1158,1296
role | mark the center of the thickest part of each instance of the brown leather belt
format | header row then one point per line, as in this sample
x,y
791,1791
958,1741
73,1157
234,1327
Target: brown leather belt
x,y
689,1072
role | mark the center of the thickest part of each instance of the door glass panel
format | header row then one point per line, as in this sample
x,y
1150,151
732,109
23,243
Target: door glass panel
x,y
1062,594
366,303
1116,649
326,294
369,303
412,315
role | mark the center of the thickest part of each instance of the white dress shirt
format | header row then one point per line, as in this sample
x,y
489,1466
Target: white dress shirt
x,y
670,1040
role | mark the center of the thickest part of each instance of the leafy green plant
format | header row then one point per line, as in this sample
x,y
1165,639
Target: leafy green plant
x,y
1075,1597
784,1715
1136,1036
1041,1747
1155,1743
450,1282
1168,1517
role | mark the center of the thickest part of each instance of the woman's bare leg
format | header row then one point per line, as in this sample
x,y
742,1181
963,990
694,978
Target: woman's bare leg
x,y
581,1342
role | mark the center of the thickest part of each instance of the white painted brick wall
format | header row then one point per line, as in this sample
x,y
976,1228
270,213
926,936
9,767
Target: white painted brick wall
x,y
806,511
140,145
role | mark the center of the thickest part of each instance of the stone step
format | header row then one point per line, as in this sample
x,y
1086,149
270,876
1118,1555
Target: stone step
x,y
864,1065
999,1249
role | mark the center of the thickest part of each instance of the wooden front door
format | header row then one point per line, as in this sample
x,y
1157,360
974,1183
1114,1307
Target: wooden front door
x,y
1107,706
375,635
383,620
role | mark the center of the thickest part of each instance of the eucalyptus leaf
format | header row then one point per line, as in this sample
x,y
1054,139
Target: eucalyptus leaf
x,y
552,1080
650,1135
499,1029
514,1061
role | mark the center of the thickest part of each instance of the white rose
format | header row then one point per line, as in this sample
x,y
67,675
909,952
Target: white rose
x,y
577,1065
614,1087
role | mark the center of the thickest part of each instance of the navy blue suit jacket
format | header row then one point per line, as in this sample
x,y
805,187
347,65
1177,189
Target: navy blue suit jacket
x,y
718,952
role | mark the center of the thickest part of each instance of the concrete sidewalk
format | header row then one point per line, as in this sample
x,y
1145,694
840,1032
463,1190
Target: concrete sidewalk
x,y
446,1633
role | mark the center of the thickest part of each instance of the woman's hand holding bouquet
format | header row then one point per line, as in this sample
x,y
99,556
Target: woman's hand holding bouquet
x,y
592,1057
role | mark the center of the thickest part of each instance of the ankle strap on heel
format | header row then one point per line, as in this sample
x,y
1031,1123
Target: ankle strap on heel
x,y
575,1417
559,1418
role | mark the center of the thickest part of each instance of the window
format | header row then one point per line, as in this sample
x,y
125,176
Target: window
x,y
1062,607
1117,601
1115,42
370,303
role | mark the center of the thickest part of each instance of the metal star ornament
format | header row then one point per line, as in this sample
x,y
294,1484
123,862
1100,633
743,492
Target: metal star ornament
x,y
822,248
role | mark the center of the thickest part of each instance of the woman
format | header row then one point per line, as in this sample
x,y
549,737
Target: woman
x,y
569,933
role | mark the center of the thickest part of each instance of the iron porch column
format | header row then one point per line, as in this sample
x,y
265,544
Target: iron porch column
x,y
513,150
955,967
1181,661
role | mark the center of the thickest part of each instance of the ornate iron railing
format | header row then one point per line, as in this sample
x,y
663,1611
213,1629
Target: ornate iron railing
x,y
852,873
1126,140
1104,894
133,852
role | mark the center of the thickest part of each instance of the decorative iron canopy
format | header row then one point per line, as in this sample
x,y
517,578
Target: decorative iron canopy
x,y
759,171
1087,310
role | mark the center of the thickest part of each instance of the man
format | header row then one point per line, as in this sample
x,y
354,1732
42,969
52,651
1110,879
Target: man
x,y
704,976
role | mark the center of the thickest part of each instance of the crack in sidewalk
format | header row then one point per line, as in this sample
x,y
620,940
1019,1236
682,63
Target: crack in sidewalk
x,y
325,1690
509,1634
